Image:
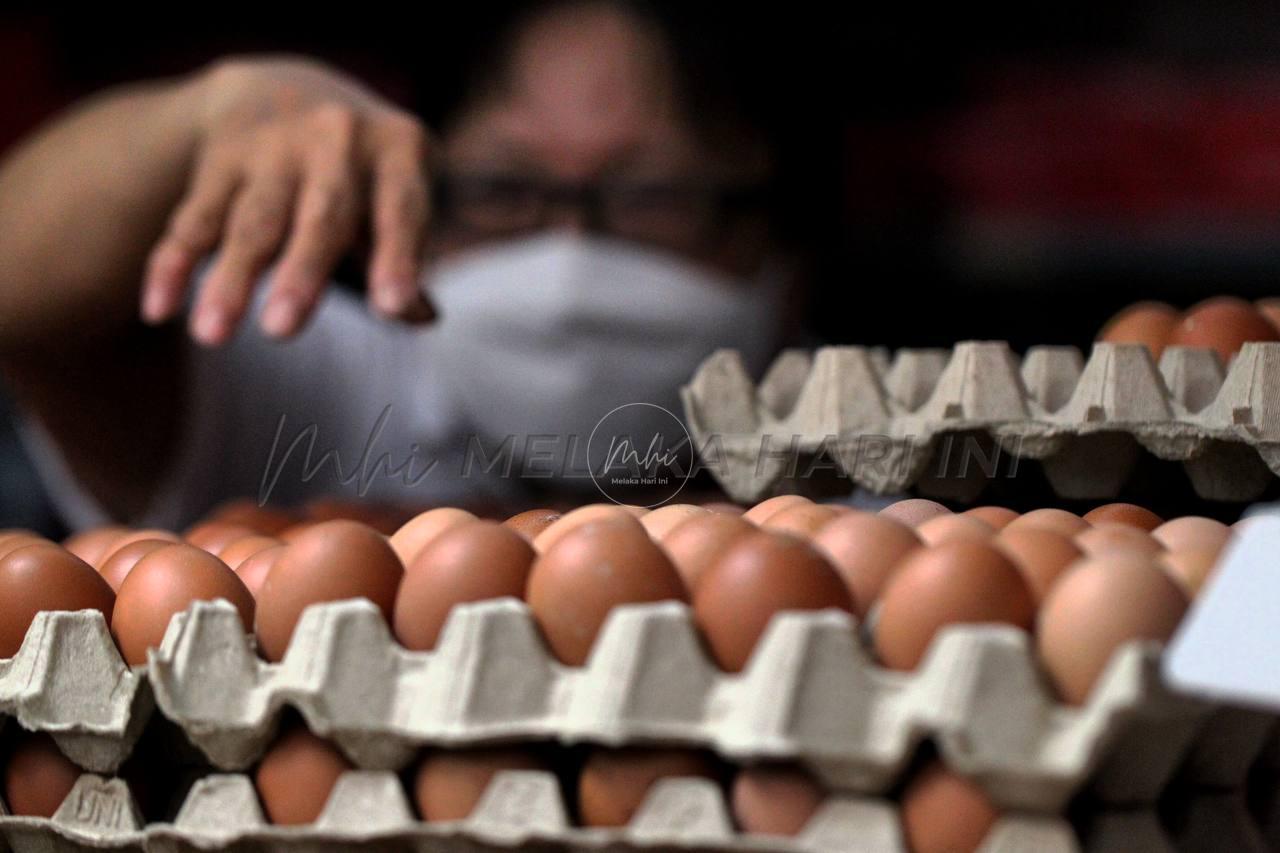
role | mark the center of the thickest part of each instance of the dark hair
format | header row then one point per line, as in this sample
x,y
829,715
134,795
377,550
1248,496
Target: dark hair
x,y
708,89
738,75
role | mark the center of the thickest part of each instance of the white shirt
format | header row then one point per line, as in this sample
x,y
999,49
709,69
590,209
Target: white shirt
x,y
369,392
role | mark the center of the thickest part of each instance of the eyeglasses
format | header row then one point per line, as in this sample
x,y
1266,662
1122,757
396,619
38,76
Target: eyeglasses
x,y
682,216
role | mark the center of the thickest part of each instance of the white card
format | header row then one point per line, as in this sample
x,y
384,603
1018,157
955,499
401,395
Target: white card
x,y
1228,646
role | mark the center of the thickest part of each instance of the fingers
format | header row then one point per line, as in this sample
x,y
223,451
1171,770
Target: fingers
x,y
257,226
193,232
400,209
323,229
294,191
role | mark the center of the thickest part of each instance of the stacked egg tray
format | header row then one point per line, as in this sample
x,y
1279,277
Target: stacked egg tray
x,y
810,695
885,423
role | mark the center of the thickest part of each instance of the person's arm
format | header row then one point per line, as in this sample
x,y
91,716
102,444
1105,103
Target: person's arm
x,y
111,207
81,203
262,160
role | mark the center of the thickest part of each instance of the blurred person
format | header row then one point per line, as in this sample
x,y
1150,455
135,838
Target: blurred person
x,y
578,236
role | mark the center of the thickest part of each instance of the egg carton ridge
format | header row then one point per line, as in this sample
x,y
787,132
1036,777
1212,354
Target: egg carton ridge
x,y
368,810
810,693
68,679
884,423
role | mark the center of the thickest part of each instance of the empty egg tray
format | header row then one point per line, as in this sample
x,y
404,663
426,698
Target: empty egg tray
x,y
884,423
368,810
811,693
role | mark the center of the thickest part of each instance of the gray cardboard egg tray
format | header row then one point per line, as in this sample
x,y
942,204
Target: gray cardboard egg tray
x,y
368,810
520,810
68,679
885,424
811,693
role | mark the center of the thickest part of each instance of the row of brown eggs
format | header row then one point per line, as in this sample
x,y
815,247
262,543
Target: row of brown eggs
x,y
1222,323
940,810
1083,585
912,569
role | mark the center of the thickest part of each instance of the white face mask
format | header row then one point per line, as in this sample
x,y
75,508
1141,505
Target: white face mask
x,y
547,334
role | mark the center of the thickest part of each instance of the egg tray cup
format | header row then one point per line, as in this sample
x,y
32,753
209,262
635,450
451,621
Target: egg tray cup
x,y
368,810
811,694
882,422
69,680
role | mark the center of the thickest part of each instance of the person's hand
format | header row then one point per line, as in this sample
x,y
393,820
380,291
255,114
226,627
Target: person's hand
x,y
291,161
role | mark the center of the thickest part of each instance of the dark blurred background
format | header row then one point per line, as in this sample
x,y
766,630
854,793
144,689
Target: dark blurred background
x,y
947,175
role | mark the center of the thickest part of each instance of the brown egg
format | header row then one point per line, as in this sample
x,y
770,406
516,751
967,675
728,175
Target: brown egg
x,y
996,517
38,777
724,507
136,535
802,521
333,561
590,570
213,536
116,567
697,542
1041,555
164,582
531,522
953,528
1110,536
449,783
253,570
44,576
476,561
1147,323
957,582
266,520
1122,513
773,800
757,576
1270,308
914,511
1097,606
14,541
1058,520
1191,568
865,549
576,518
242,549
1192,533
93,545
943,812
422,528
760,513
664,519
615,782
296,776
1223,324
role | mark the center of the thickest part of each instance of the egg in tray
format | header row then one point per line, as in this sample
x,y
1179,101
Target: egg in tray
x,y
792,654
